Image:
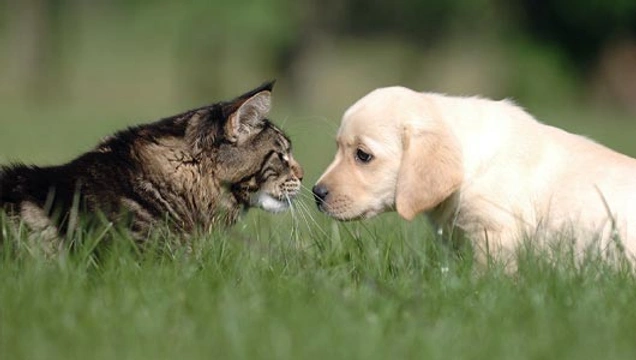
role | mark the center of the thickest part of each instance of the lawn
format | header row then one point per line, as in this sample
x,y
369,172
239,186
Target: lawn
x,y
285,288
297,285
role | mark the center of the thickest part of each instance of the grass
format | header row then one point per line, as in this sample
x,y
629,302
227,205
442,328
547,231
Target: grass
x,y
277,287
283,287
376,290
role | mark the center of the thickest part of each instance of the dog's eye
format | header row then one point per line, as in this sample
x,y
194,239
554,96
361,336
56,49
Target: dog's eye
x,y
363,156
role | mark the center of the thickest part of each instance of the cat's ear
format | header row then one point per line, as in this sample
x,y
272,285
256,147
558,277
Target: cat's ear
x,y
247,114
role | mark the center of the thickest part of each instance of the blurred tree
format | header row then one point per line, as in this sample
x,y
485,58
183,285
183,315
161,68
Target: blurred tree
x,y
223,42
418,21
317,22
582,28
38,30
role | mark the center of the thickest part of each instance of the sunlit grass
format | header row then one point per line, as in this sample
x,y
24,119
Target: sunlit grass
x,y
296,287
367,290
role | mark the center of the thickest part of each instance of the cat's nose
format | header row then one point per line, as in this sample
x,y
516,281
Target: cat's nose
x,y
320,193
297,170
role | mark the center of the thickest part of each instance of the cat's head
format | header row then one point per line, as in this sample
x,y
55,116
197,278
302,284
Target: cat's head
x,y
247,153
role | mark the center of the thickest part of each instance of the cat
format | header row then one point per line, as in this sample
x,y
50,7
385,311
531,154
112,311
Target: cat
x,y
200,169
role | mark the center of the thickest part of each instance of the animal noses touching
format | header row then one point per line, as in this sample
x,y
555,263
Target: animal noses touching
x,y
320,193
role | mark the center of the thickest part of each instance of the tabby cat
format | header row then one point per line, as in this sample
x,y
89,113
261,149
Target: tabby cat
x,y
198,170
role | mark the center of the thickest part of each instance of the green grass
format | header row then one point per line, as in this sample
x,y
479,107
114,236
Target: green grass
x,y
277,288
274,287
283,287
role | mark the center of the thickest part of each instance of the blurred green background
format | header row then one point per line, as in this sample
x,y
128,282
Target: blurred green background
x,y
72,71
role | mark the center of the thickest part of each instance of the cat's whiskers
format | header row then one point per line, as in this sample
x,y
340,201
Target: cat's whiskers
x,y
295,222
306,193
284,122
306,197
305,214
296,205
310,196
332,125
308,217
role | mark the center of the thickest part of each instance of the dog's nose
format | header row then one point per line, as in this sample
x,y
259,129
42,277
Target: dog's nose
x,y
320,193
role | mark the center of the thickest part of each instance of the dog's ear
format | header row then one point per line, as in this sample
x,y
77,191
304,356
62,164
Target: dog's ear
x,y
246,114
430,170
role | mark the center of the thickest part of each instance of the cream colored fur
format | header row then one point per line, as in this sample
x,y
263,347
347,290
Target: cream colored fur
x,y
485,167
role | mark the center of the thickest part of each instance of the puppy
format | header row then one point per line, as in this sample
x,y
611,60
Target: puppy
x,y
485,168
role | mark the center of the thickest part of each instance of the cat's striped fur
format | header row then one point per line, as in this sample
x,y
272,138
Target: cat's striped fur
x,y
197,170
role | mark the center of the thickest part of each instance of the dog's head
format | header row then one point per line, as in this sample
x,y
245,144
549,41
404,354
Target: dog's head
x,y
395,152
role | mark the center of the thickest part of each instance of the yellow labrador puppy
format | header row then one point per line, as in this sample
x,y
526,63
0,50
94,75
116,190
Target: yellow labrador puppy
x,y
487,168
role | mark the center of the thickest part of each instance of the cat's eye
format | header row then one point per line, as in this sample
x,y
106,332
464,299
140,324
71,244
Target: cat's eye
x,y
363,157
283,158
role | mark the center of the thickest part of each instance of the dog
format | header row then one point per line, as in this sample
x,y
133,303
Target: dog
x,y
486,169
198,170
